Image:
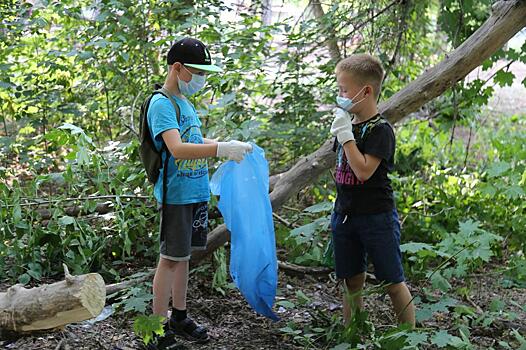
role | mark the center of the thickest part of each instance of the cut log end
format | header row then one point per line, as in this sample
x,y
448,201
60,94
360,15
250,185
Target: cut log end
x,y
93,294
76,299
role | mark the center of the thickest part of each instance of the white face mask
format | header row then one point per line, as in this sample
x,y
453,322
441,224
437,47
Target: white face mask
x,y
348,103
194,85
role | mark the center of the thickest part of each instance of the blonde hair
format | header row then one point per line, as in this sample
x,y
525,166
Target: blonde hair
x,y
365,68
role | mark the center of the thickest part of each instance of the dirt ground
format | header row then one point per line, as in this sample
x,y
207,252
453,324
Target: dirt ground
x,y
233,325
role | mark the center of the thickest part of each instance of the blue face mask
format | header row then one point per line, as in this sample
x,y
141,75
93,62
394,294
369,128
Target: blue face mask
x,y
194,85
348,103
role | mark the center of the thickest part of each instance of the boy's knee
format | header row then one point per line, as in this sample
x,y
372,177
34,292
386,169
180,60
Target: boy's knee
x,y
395,289
355,282
169,264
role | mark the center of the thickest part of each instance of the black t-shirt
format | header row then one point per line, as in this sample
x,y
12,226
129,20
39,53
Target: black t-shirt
x,y
375,137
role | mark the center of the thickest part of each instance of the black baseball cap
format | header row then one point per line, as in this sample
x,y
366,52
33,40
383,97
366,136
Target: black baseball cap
x,y
192,53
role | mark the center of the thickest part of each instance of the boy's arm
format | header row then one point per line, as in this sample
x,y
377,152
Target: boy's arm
x,y
183,150
209,141
165,126
363,165
233,150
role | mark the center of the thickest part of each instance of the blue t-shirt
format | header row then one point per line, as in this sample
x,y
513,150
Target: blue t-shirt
x,y
187,178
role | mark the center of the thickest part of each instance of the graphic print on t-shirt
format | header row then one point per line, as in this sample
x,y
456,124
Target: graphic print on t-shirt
x,y
344,174
191,168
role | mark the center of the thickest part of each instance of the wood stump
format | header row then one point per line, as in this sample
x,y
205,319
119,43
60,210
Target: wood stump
x,y
75,299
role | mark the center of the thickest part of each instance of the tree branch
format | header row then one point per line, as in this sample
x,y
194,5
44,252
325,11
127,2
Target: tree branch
x,y
507,18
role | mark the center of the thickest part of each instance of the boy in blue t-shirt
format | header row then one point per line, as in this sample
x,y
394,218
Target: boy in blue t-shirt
x,y
184,219
365,222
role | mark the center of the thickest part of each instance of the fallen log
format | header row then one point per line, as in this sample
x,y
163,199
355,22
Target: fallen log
x,y
75,299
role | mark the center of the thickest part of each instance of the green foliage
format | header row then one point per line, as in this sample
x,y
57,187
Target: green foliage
x,y
308,244
32,250
463,251
438,193
146,326
135,300
220,278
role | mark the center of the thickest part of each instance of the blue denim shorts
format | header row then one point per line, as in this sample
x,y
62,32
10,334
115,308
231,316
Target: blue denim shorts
x,y
357,237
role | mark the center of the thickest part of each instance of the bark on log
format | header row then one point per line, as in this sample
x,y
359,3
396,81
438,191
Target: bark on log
x,y
507,19
101,208
75,299
117,287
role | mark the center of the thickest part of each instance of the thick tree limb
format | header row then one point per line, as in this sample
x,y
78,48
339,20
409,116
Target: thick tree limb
x,y
507,19
75,299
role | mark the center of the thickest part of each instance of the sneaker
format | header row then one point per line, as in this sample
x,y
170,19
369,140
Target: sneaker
x,y
188,329
165,342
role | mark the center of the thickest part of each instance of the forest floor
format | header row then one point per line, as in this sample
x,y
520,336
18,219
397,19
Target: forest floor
x,y
232,323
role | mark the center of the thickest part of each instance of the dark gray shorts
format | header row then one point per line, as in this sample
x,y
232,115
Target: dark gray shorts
x,y
183,228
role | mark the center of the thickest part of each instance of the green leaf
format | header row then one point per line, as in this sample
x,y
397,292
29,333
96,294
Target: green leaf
x,y
488,189
497,305
498,168
35,271
146,326
24,278
286,304
302,298
514,192
414,247
439,282
440,339
416,338
137,304
35,274
66,220
320,207
423,314
310,229
72,128
504,78
17,213
468,227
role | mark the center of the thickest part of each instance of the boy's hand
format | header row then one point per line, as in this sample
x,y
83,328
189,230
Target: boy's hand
x,y
233,150
342,126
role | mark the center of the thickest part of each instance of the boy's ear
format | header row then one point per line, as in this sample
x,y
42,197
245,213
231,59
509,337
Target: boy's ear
x,y
368,90
175,68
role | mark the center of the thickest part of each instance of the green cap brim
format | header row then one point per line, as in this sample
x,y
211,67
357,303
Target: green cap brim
x,y
205,67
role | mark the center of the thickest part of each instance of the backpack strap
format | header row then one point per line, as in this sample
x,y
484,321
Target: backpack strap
x,y
161,90
371,124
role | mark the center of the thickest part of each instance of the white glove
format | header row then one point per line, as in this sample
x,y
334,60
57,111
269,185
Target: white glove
x,y
233,150
342,126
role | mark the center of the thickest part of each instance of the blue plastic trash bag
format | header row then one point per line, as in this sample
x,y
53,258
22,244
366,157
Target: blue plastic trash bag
x,y
245,205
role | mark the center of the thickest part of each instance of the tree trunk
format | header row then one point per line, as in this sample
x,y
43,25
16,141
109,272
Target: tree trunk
x,y
330,42
266,9
75,299
507,19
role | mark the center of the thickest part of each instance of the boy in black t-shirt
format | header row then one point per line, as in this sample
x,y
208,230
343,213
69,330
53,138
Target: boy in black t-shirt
x,y
365,222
